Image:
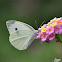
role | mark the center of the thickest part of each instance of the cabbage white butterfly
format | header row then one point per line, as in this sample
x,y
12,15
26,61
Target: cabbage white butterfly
x,y
21,34
56,60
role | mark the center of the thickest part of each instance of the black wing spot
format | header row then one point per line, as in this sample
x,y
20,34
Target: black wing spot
x,y
16,29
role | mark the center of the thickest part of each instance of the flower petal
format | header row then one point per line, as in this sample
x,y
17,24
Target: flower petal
x,y
51,38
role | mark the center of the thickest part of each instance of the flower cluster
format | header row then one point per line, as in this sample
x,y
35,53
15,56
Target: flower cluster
x,y
48,31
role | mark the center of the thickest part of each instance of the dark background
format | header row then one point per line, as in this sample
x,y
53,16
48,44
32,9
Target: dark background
x,y
28,11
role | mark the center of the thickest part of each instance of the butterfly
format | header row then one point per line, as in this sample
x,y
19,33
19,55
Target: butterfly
x,y
21,34
56,60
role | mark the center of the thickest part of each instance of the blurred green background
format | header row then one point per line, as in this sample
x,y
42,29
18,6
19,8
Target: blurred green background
x,y
28,11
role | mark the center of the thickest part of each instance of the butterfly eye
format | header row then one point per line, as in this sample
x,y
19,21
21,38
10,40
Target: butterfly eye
x,y
16,29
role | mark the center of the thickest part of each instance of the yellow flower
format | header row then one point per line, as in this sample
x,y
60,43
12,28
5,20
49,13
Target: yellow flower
x,y
58,19
49,23
53,24
44,30
42,27
53,20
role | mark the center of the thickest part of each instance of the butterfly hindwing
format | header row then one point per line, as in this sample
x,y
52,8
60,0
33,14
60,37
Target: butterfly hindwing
x,y
21,39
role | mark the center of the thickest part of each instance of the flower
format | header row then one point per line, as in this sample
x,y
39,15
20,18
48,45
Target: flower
x,y
50,30
45,25
39,35
41,41
58,29
59,22
39,29
58,19
42,27
48,23
60,26
51,36
53,20
44,37
43,30
53,24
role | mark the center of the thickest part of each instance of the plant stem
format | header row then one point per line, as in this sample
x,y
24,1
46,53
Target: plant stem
x,y
58,37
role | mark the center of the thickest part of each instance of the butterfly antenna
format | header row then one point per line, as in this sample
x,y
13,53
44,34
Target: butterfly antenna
x,y
42,23
36,24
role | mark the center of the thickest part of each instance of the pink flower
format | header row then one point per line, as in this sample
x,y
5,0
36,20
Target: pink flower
x,y
50,30
61,26
44,37
51,36
58,29
39,35
40,30
45,25
41,41
59,22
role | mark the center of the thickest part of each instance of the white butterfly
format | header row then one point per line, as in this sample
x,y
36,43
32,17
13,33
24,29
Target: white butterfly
x,y
21,34
56,60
